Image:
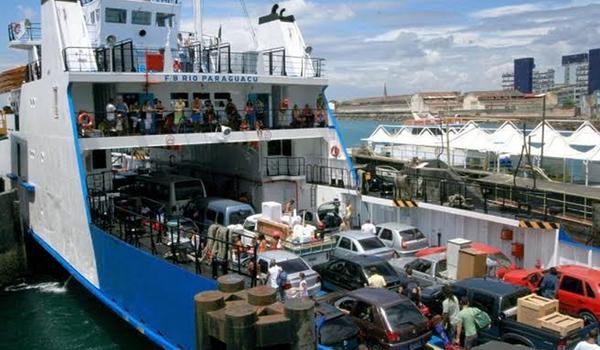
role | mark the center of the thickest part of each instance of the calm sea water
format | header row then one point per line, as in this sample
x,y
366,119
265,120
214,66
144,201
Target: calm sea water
x,y
45,312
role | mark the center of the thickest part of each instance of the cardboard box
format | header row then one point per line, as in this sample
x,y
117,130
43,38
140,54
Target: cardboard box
x,y
471,263
561,324
270,228
452,254
531,308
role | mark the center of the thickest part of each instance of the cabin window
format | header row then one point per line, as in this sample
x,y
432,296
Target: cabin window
x,y
279,148
164,19
141,17
175,96
99,159
113,15
203,96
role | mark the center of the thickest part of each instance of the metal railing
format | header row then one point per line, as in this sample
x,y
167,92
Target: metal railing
x,y
504,199
181,241
331,176
285,166
22,31
124,57
164,122
34,71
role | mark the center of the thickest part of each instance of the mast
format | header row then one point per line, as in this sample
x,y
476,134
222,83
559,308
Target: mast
x,y
198,32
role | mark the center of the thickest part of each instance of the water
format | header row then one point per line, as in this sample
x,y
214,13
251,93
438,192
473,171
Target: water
x,y
44,313
354,130
50,311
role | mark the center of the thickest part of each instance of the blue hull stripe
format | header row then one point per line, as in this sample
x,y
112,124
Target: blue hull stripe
x,y
156,338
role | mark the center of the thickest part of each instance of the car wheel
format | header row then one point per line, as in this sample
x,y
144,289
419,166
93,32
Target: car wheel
x,y
588,317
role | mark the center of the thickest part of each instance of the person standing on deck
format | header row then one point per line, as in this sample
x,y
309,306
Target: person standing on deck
x,y
466,322
122,111
303,286
148,111
549,284
111,117
178,116
450,309
196,114
274,271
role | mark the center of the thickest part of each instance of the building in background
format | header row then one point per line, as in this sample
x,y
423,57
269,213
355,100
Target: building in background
x,y
523,74
541,81
593,71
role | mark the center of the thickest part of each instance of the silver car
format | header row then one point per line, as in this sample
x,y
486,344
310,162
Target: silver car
x,y
404,239
292,265
358,243
428,270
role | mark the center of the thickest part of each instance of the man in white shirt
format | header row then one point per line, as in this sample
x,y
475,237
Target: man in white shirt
x,y
591,343
110,112
274,271
368,227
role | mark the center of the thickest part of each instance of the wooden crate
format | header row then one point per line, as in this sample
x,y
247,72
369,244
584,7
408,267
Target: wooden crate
x,y
560,323
532,307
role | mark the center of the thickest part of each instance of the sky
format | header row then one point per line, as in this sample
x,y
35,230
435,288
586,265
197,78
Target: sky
x,y
408,45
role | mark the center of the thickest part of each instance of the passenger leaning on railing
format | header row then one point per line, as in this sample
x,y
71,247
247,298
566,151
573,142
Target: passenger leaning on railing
x,y
148,118
197,114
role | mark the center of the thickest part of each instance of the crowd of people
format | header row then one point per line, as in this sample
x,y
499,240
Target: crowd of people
x,y
153,117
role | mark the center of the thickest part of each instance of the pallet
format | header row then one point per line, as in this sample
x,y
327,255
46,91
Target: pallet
x,y
560,323
532,307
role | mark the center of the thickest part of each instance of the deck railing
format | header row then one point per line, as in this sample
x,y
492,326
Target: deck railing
x,y
24,31
124,57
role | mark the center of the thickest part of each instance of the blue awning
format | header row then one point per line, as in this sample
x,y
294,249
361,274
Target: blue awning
x,y
28,186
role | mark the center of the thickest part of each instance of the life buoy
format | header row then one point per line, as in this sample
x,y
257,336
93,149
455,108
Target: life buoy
x,y
85,120
335,151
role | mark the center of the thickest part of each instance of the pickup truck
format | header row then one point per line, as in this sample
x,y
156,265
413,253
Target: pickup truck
x,y
499,300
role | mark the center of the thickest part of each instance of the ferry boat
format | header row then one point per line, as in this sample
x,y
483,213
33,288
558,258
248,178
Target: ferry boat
x,y
112,84
113,92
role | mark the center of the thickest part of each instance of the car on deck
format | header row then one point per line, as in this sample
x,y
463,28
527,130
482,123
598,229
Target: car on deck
x,y
335,329
428,270
354,243
404,239
502,263
578,288
353,273
387,320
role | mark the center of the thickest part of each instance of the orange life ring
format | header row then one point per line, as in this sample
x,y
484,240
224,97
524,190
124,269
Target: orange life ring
x,y
335,151
85,120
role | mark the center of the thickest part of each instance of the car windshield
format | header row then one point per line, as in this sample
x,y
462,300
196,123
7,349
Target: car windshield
x,y
371,243
293,266
337,330
238,217
382,268
500,259
510,301
402,314
411,234
188,190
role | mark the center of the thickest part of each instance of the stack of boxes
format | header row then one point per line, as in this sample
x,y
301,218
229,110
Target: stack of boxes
x,y
540,312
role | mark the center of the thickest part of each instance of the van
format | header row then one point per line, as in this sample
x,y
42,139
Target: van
x,y
222,211
174,191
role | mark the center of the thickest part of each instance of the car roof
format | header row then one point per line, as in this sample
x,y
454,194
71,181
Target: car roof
x,y
354,234
222,203
278,255
396,226
166,179
490,286
363,260
378,296
580,271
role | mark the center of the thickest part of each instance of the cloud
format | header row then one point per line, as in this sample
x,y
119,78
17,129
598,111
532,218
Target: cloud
x,y
507,10
26,11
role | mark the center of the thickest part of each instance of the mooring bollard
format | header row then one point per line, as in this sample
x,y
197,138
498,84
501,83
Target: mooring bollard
x,y
301,312
262,296
240,327
206,302
231,283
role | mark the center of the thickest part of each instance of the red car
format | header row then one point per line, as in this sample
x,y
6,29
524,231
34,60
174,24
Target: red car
x,y
495,254
578,288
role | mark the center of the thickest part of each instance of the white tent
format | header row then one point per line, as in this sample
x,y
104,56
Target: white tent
x,y
507,139
559,148
380,135
535,136
585,135
427,138
471,137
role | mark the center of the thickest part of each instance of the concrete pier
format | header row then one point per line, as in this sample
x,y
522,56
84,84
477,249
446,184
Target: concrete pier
x,y
13,262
